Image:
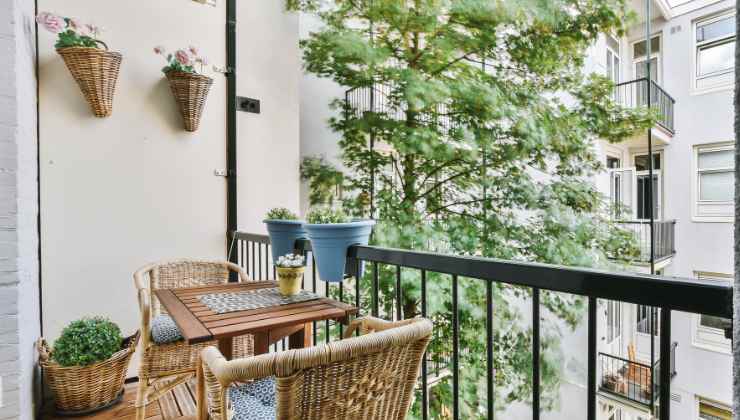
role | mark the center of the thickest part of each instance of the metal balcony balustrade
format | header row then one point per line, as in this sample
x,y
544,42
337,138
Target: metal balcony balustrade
x,y
665,238
631,379
634,93
252,252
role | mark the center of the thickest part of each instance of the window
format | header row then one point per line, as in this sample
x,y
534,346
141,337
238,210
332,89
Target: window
x,y
708,331
643,320
715,51
613,320
715,181
643,190
639,55
613,61
710,410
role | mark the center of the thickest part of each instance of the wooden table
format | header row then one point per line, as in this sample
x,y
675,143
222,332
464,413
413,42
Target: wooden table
x,y
198,323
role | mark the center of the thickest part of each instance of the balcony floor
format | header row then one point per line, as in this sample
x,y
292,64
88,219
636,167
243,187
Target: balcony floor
x,y
176,404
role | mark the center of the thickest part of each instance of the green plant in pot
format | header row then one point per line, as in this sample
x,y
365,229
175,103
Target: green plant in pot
x,y
332,232
290,269
87,366
284,229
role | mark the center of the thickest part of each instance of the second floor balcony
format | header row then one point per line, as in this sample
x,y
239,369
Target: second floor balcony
x,y
639,93
664,232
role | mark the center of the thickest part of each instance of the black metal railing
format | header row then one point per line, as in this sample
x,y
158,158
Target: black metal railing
x,y
634,93
665,237
670,294
633,380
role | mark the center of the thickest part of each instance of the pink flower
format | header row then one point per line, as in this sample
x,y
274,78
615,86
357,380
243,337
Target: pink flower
x,y
193,50
182,57
92,29
51,22
159,50
77,26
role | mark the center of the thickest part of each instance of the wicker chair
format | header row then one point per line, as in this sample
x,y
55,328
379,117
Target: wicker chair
x,y
164,366
367,377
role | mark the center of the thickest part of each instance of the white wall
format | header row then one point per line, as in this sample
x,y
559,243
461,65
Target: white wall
x,y
19,300
317,138
269,68
135,187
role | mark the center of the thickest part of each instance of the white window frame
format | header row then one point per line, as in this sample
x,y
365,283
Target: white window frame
x,y
658,173
653,54
707,401
730,83
710,211
708,338
616,71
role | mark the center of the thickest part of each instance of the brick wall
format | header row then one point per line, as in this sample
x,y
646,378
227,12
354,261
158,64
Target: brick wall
x,y
19,302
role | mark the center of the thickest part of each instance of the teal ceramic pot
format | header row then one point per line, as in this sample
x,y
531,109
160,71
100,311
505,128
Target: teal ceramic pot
x,y
283,235
330,242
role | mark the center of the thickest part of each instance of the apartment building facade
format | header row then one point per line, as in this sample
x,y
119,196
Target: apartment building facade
x,y
691,66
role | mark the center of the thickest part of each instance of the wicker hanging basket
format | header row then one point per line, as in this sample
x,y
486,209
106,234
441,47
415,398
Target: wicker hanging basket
x,y
96,72
190,91
82,390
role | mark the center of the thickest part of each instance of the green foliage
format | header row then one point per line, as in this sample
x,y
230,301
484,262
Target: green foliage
x,y
327,215
324,181
87,341
70,38
483,145
281,213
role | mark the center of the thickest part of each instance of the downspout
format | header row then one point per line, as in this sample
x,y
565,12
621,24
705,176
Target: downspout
x,y
231,162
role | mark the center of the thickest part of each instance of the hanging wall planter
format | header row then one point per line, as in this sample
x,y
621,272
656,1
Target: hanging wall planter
x,y
190,91
189,87
96,73
94,68
331,235
284,229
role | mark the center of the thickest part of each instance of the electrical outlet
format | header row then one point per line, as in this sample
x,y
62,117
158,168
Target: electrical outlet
x,y
248,104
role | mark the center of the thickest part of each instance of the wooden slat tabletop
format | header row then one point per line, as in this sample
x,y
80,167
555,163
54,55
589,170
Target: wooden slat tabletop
x,y
198,323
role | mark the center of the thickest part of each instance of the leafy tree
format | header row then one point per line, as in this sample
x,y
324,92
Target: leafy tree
x,y
479,140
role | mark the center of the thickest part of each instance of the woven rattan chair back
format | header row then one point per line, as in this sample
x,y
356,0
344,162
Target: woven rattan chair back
x,y
370,377
185,273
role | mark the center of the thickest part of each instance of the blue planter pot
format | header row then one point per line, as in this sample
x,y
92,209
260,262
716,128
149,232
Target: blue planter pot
x,y
283,234
330,243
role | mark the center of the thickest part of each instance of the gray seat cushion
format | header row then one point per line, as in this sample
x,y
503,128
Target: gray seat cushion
x,y
254,401
164,330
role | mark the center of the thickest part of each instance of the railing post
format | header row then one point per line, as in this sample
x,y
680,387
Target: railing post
x,y
535,354
455,352
591,394
665,364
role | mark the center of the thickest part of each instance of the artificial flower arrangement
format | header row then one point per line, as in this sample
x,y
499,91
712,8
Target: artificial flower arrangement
x,y
94,68
290,269
189,86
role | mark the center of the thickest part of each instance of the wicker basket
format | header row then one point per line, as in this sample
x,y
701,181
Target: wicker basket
x,y
96,72
190,91
84,389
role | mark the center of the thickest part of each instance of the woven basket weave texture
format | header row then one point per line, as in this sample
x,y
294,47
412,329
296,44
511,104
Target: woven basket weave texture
x,y
84,388
190,91
96,73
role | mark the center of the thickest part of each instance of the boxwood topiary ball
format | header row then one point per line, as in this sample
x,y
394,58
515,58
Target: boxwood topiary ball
x,y
87,341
